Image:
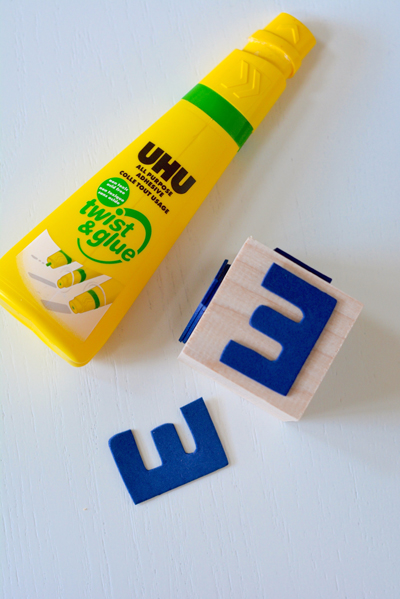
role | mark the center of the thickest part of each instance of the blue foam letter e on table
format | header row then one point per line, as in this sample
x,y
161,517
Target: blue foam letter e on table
x,y
297,338
178,467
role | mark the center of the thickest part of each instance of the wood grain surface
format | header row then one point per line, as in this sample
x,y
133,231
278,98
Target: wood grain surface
x,y
305,509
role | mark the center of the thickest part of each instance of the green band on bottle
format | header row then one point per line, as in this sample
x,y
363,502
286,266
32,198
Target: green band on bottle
x,y
221,111
95,297
82,273
69,260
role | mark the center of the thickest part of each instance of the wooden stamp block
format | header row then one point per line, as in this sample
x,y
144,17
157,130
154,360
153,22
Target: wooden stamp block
x,y
271,331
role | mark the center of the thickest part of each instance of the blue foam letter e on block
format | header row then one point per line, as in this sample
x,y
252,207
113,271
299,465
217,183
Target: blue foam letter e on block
x,y
297,338
178,467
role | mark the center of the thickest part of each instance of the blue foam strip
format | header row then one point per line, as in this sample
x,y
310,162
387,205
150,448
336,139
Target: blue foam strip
x,y
201,308
297,338
178,467
303,265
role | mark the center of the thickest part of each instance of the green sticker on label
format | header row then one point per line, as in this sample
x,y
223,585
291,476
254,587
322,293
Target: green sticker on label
x,y
113,192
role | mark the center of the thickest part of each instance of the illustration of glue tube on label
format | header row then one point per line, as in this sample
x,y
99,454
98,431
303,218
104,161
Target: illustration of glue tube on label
x,y
97,297
77,276
124,220
58,259
91,299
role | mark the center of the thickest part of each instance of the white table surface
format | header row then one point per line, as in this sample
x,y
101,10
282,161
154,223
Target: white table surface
x,y
305,510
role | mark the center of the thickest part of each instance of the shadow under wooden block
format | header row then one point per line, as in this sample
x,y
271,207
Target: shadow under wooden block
x,y
230,322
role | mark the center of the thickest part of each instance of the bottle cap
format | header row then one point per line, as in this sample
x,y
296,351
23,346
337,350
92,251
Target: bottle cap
x,y
284,42
251,80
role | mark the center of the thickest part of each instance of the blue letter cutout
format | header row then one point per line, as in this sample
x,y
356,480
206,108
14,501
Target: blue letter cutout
x,y
178,467
296,338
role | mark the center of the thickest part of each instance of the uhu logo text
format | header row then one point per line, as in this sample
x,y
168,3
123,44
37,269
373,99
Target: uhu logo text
x,y
162,163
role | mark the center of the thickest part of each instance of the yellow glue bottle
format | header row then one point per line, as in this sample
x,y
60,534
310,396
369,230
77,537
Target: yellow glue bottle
x,y
119,226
